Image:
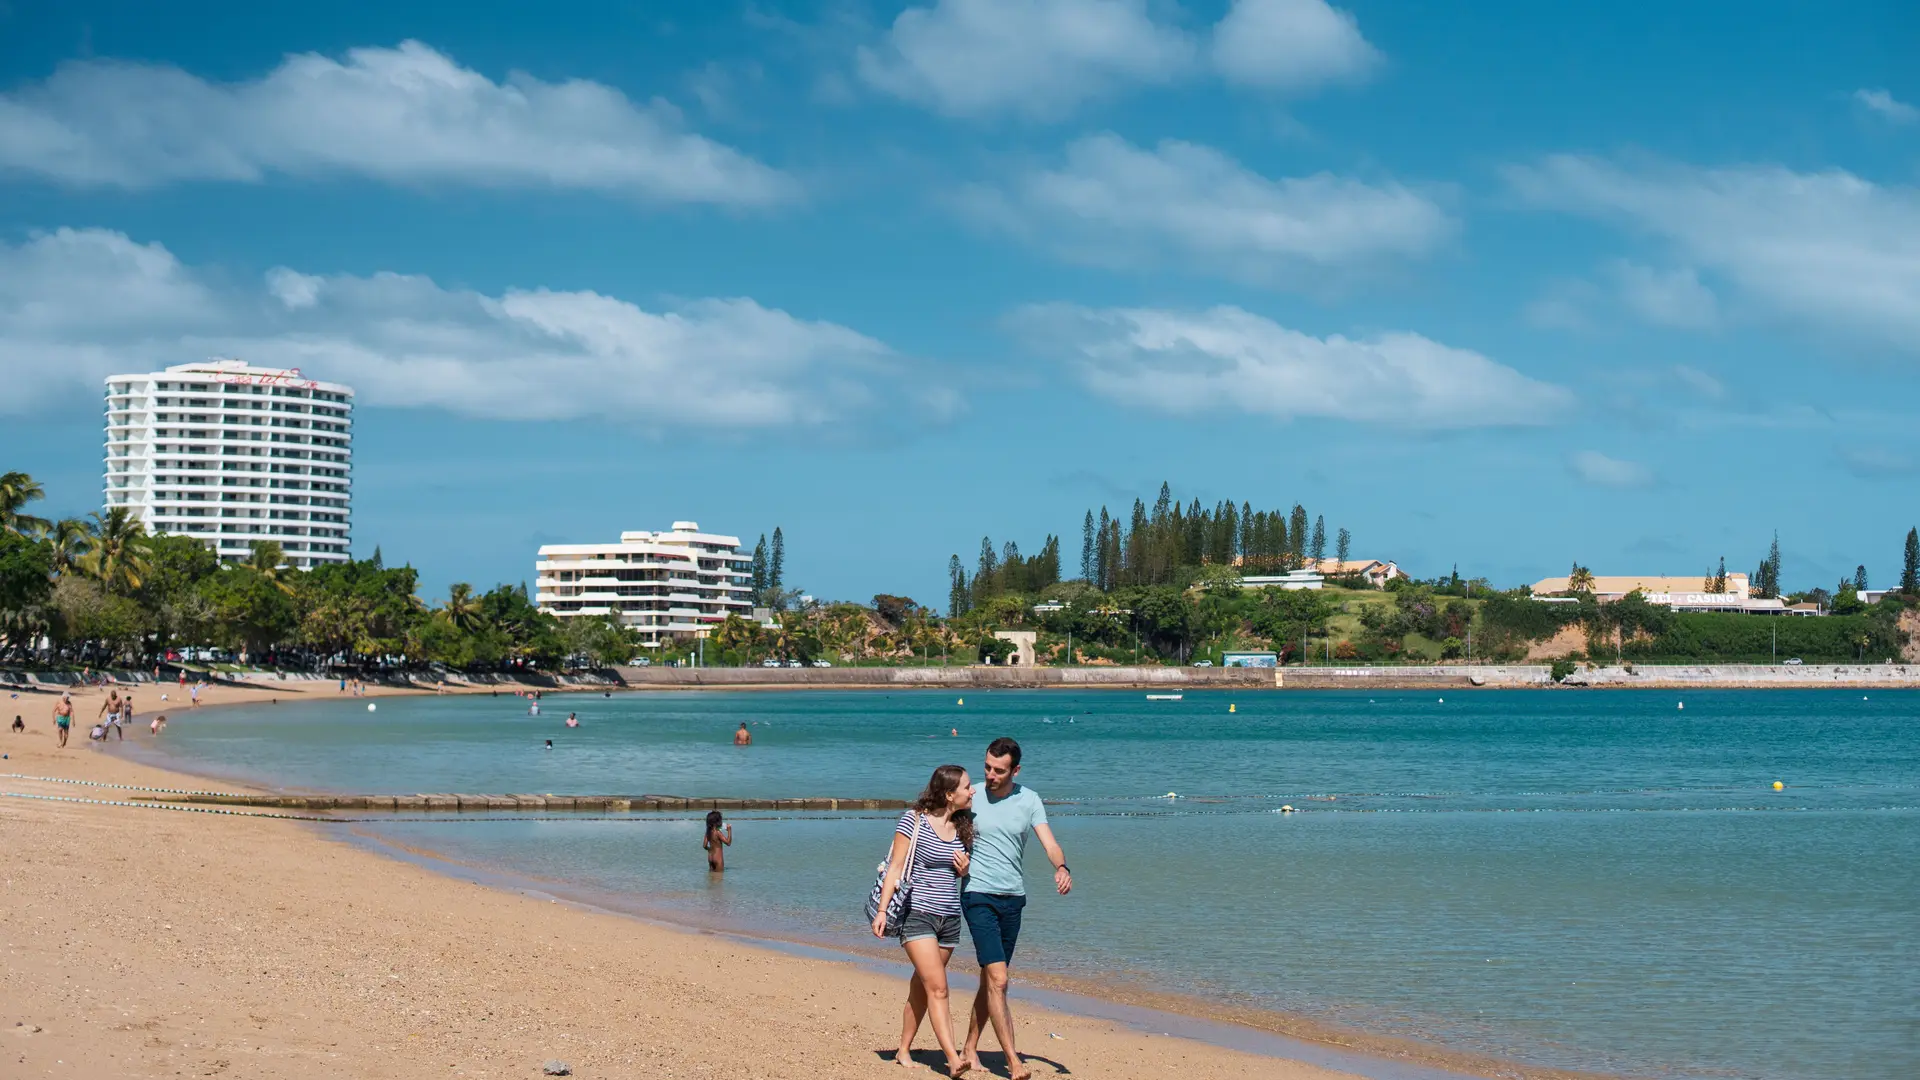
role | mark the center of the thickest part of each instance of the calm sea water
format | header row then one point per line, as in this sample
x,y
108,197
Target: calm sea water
x,y
1595,880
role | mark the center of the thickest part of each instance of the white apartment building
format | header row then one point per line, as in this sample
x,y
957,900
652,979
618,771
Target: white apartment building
x,y
663,584
229,453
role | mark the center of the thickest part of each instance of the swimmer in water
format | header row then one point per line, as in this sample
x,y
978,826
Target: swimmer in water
x,y
572,720
743,737
549,744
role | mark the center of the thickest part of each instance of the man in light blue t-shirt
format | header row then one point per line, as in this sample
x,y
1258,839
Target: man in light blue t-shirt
x,y
994,891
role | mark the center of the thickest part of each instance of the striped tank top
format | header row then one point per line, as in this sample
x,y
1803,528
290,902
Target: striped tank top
x,y
936,887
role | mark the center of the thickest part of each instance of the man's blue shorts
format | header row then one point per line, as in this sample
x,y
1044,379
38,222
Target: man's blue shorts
x,y
994,921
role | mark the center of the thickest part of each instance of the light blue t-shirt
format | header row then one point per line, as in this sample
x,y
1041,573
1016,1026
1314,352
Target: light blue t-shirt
x,y
1000,828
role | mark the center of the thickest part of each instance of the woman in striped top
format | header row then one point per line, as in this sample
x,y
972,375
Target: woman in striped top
x,y
939,830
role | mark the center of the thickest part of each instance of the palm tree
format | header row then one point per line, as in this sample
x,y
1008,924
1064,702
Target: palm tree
x,y
70,538
117,552
17,489
267,559
462,608
1581,580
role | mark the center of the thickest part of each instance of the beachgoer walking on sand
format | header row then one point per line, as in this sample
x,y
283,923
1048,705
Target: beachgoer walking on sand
x,y
63,717
743,737
719,838
995,892
938,829
196,692
19,725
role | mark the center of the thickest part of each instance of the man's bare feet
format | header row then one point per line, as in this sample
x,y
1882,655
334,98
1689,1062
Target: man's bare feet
x,y
973,1060
904,1059
1017,1070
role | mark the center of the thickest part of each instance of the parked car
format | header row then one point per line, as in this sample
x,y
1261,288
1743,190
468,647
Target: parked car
x,y
795,663
1203,663
1793,661
640,661
823,663
770,662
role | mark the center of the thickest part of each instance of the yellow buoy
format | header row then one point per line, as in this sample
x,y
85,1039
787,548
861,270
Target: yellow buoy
x,y
1229,706
962,701
1778,786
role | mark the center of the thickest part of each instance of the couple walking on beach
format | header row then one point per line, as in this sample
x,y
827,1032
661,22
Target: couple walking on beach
x,y
956,857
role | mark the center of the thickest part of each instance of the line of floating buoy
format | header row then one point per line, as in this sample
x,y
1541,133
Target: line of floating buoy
x,y
1778,786
1230,707
962,701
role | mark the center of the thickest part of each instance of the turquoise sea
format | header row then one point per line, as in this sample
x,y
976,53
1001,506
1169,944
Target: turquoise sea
x,y
1590,880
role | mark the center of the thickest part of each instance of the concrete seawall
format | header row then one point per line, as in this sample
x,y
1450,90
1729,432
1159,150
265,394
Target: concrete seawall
x,y
960,678
1441,676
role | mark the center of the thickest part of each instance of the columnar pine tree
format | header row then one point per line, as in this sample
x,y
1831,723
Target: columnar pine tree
x,y
983,573
1860,578
1297,533
1102,569
1910,565
1317,547
759,569
1086,547
1343,546
776,559
957,600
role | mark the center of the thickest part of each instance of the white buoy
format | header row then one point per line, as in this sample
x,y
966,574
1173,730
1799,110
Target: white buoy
x,y
1681,705
371,706
1443,701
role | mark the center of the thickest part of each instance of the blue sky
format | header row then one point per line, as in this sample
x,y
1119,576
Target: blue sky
x,y
1504,285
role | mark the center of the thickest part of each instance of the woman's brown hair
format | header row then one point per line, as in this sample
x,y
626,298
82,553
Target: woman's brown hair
x,y
933,800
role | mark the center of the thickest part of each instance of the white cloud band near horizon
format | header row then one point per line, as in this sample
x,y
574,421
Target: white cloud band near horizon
x,y
1596,469
1044,59
402,115
1229,360
1827,249
404,341
1109,201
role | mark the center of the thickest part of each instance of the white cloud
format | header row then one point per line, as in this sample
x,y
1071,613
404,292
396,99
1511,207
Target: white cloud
x,y
1829,249
1290,45
1114,202
405,115
1886,105
1040,58
1228,360
1701,383
1599,470
404,341
1666,297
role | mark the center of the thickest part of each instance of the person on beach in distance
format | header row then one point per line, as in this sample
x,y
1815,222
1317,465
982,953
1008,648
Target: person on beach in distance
x,y
743,737
63,717
572,720
159,723
939,828
19,725
995,892
719,838
110,708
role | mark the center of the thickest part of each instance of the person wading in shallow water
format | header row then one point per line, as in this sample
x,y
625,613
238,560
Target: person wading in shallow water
x,y
743,737
994,892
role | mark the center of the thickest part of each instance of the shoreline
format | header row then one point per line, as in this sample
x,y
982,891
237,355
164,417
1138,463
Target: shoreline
x,y
1219,1032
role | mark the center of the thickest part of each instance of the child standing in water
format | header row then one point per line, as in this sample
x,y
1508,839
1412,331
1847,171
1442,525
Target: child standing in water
x,y
719,837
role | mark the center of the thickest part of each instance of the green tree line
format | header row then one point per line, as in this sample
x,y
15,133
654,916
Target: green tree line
x,y
103,591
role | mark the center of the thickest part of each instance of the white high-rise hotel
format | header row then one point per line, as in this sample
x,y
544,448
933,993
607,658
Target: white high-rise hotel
x,y
229,454
663,584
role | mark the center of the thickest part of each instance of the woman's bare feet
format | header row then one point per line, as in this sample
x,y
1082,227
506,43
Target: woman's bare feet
x,y
957,1069
904,1059
1017,1070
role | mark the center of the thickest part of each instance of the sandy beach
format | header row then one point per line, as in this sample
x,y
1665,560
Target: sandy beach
x,y
154,943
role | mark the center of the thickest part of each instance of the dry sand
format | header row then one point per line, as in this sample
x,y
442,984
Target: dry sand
x,y
151,943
